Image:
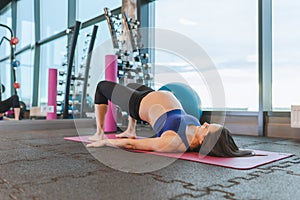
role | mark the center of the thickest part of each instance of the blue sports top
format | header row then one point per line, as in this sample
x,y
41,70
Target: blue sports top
x,y
175,120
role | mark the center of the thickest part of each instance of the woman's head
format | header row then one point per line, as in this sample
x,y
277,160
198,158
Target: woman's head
x,y
219,142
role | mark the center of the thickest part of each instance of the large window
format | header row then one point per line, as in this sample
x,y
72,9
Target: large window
x,y
227,31
53,55
97,60
5,19
24,75
25,23
25,34
54,16
5,69
89,9
286,54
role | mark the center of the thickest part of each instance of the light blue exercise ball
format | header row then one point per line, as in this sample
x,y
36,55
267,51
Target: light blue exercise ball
x,y
187,96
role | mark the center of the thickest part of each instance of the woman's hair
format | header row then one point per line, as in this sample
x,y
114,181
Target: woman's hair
x,y
222,145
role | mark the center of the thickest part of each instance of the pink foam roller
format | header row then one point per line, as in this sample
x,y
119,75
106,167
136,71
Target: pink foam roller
x,y
111,67
52,93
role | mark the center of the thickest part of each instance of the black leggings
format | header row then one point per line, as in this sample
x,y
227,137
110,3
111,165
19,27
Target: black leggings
x,y
127,97
11,102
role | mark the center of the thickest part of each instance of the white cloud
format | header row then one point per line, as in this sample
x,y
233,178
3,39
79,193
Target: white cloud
x,y
187,22
252,58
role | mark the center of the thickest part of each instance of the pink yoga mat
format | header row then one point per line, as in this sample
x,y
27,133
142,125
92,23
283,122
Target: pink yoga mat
x,y
235,163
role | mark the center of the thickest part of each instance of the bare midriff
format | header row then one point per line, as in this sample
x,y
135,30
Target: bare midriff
x,y
157,103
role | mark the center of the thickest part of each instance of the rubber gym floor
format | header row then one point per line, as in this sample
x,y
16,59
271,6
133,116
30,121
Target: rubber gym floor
x,y
37,163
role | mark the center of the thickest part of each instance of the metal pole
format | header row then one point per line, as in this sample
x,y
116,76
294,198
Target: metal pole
x,y
264,63
70,67
87,70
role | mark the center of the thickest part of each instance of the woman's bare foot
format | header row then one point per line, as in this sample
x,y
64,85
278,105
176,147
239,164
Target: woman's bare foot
x,y
96,137
126,134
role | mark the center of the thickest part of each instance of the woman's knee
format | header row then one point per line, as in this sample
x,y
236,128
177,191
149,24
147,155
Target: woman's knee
x,y
101,83
15,101
103,92
100,86
15,97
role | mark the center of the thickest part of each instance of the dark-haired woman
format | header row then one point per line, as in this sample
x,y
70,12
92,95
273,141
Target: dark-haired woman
x,y
11,102
176,131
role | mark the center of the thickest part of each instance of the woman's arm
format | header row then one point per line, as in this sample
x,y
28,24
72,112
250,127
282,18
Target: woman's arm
x,y
160,144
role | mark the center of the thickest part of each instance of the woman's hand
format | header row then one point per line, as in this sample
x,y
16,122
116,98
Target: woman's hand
x,y
99,143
